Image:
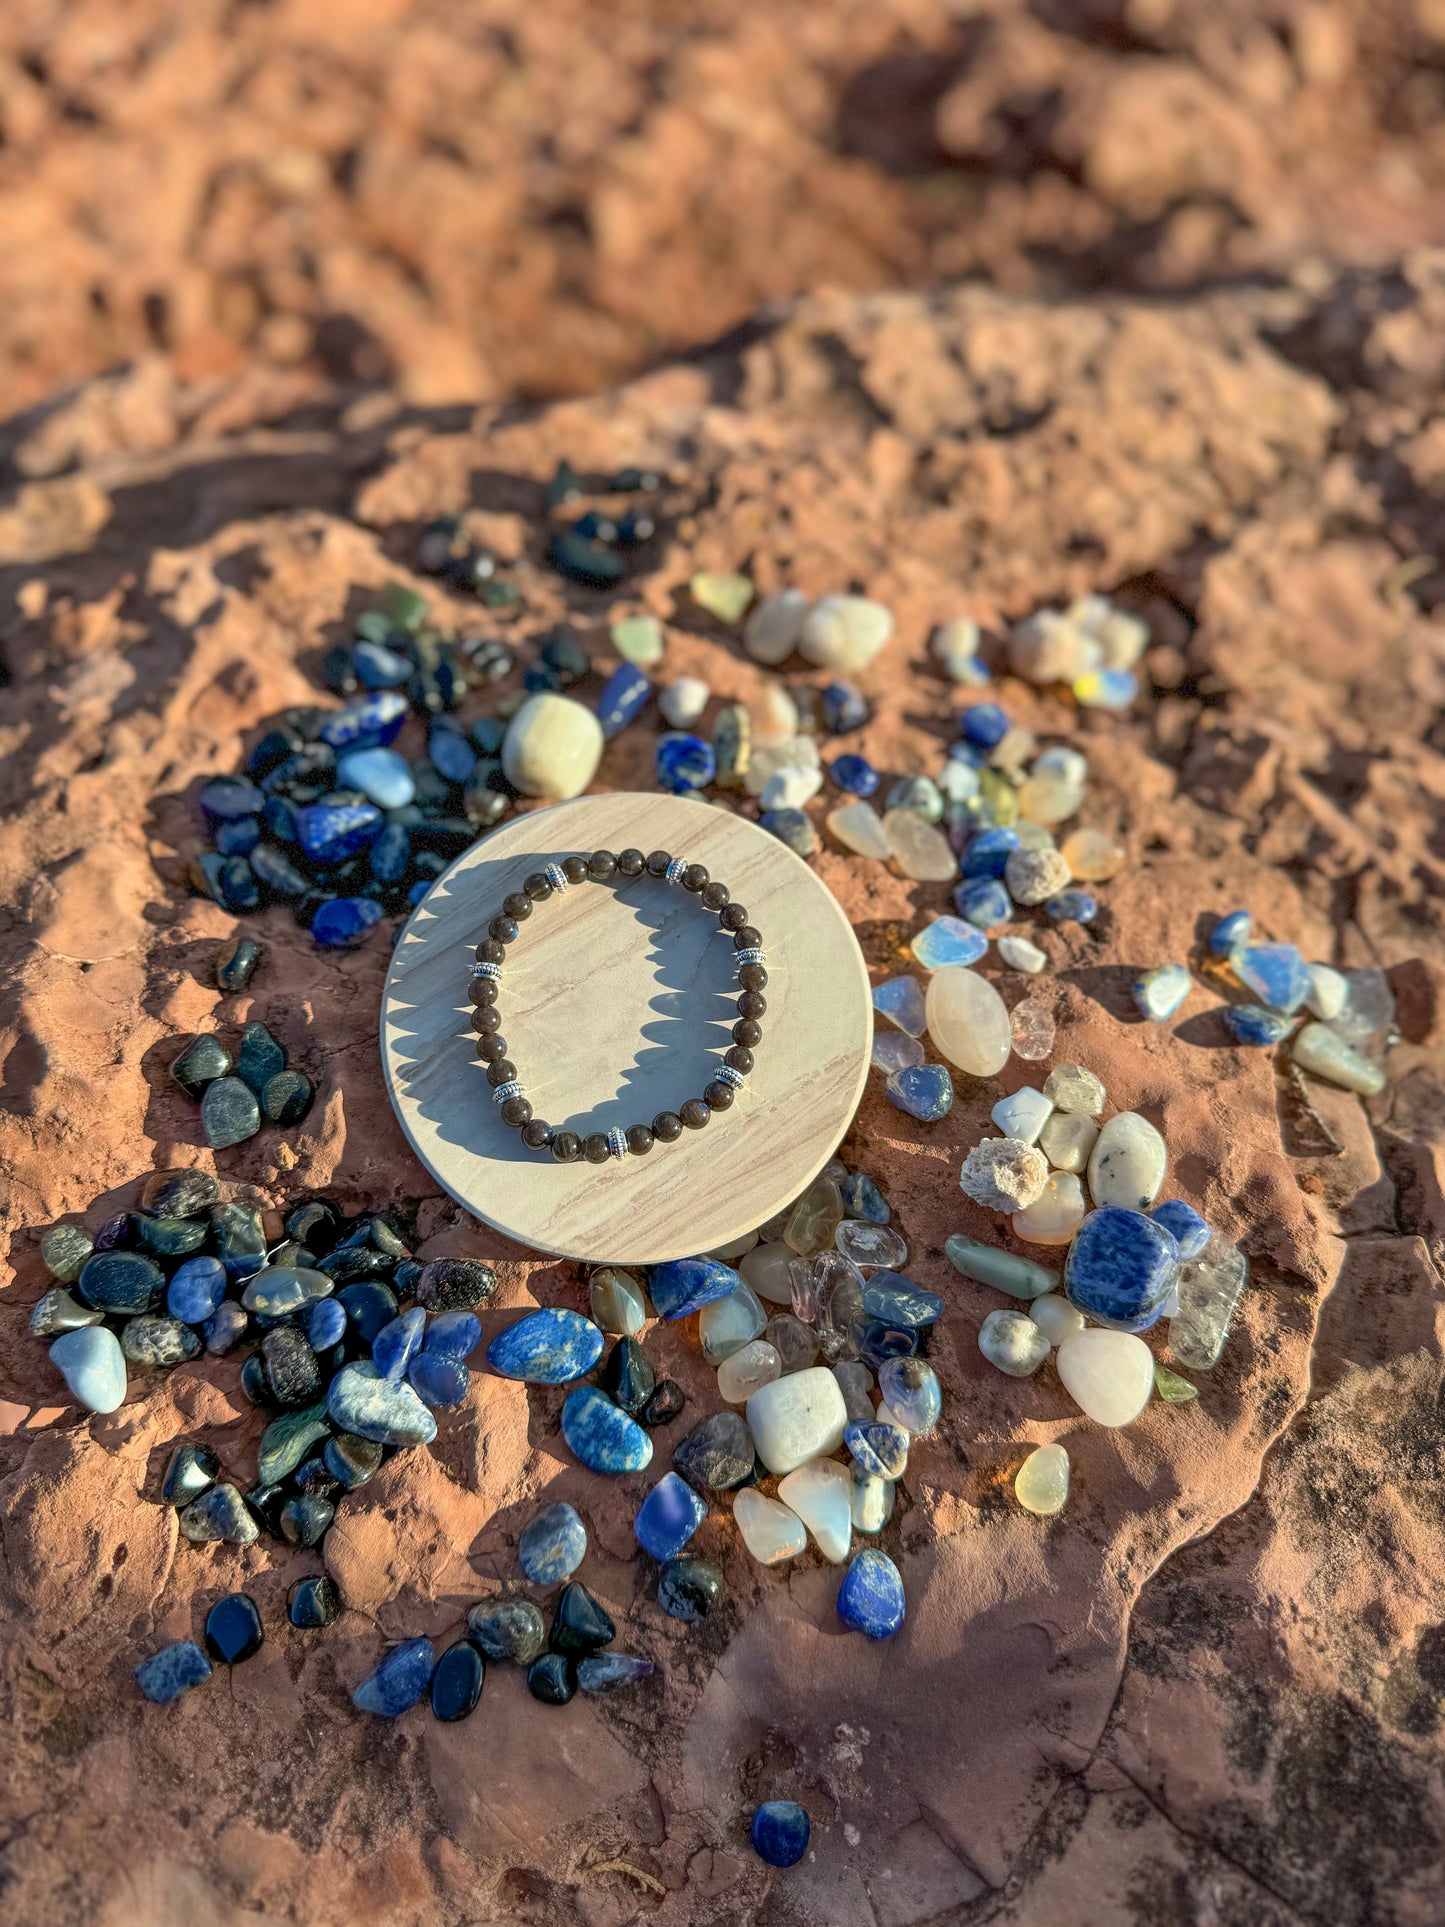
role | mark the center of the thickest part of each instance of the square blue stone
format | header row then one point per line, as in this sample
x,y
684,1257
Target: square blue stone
x,y
1121,1268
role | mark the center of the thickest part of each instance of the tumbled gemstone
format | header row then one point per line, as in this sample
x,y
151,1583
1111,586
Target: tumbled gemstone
x,y
820,1494
456,1684
1210,1287
1013,1343
685,1285
912,1394
862,1198
765,1268
983,903
1121,1268
1128,1162
716,1455
779,1832
881,1450
1003,1174
1056,1318
600,1672
240,1238
330,832
366,721
814,1217
665,1404
746,1370
1173,1389
727,1324
794,1342
870,1599
196,1289
325,1324
1020,954
343,921
455,1284
280,1290
580,1623
1023,1115
895,1300
855,1381
1073,906
968,1021
313,1601
924,1091
399,1681
894,1051
202,1061
949,941
1160,992
153,1339
771,1533
229,1112
601,1435
455,1334
120,1283
858,827
1108,1374
1367,1014
628,1377
193,1469
1074,1089
362,1401
920,851
1191,1233
233,1629
1230,933
167,1237
352,1461
64,1249
382,776
1276,973
797,1418
394,1345
437,1379
688,1589
1020,1277
260,1057
1031,1025
668,1517
617,1303
901,1001
1329,991
58,1312
624,695
1093,857
553,1545
684,762
1320,1049
1041,1484
872,1500
287,1440
92,1364
1068,1140
725,595
174,1670
218,1514
1254,1025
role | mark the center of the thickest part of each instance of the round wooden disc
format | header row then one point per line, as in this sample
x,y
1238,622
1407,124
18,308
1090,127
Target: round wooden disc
x,y
616,1003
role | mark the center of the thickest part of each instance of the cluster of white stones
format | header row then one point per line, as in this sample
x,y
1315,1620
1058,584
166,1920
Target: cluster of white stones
x,y
843,632
1092,646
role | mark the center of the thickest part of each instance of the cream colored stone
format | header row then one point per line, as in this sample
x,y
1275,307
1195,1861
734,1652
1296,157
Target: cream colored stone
x,y
821,1493
771,632
1067,1139
845,632
1011,1341
968,1021
771,1533
1128,1162
552,747
797,1418
1323,1051
747,1370
1056,1318
858,827
1041,1484
1109,1375
1055,1215
921,851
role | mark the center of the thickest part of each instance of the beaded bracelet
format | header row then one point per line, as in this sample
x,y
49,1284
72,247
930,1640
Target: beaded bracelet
x,y
603,867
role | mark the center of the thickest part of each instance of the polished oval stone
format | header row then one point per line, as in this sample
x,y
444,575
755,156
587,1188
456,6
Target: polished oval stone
x,y
325,1324
1121,1268
382,776
58,1312
92,1364
911,1392
687,1284
399,1681
779,1832
456,1685
1041,1484
369,1304
286,1441
617,1302
394,1345
288,1097
154,1339
1055,1214
601,1435
877,1448
668,1517
553,1545
766,1269
1075,1089
304,1520
193,1469
234,1631
196,1289
1012,1342
552,1346
455,1334
220,1514
580,1622
864,1243
871,1499
797,1418
313,1602
717,1455
362,1401
727,1324
666,1403
1056,1318
770,1531
352,1461
844,632
229,1113
552,1679
1108,1374
1329,992
174,1670
820,1493
291,1366
167,1237
1161,991
1324,1053
280,1290
1128,1162
600,1672
225,1328
512,1630
553,746
1067,1141
968,1021
1004,1270
455,1284
688,1589
1190,1231
870,1599
121,1283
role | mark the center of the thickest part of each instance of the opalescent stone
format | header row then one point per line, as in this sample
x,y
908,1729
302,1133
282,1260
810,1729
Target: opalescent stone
x,y
624,696
1209,1290
870,1599
1128,1162
547,1347
1093,857
897,1301
820,1494
1067,1140
779,1832
685,1285
601,1435
287,1440
600,1672
872,1500
92,1364
1160,992
1322,1051
1041,1484
1108,1374
895,1051
912,1394
438,1379
280,1290
1173,1389
553,1545
746,1370
983,903
865,1243
668,1517
617,1303
512,1630
1230,933
858,827
1023,1115
688,1589
362,1401
797,1418
1191,1233
879,1449
344,921
717,1455
1121,1268
968,1021
727,1324
399,1681
901,1001
1276,973
1013,1343
455,1334
924,1091
771,1533
862,1198
121,1283
394,1344
174,1670
948,941
1004,1270
234,1632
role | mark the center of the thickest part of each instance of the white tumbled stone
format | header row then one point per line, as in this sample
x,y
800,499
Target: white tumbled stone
x,y
1056,1318
1075,1089
1323,1051
683,701
1109,1375
1012,1341
872,1499
859,827
797,1418
1055,1214
1128,1162
1019,954
1067,1139
790,788
552,747
770,1531
845,632
1327,992
1024,1114
771,632
968,1021
754,1366
1041,1484
821,1493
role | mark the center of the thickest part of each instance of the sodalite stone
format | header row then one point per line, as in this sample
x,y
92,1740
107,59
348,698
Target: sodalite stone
x,y
370,722
924,1091
881,1450
779,1832
1255,1024
548,1347
196,1289
225,798
912,1394
92,1364
601,1434
553,1545
624,695
983,724
895,1300
382,776
437,1379
1160,992
668,1517
456,1334
685,1285
1276,973
1191,1233
983,902
331,832
344,921
1230,932
399,1681
325,1325
393,1346
900,1000
172,1671
1121,1268
1073,906
987,855
362,1401
870,1599
684,762
948,940
450,754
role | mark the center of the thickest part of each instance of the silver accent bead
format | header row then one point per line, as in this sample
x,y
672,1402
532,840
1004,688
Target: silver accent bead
x,y
491,970
727,1075
617,1143
753,954
674,870
556,876
504,1091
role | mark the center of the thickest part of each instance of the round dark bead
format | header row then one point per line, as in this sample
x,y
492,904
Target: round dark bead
x,y
695,1113
490,951
537,1135
733,916
694,878
574,868
566,1147
482,990
537,886
502,1072
601,865
492,1049
631,863
752,977
752,1003
739,1058
716,896
639,1139
657,863
667,1127
595,1147
747,938
517,1112
503,928
518,906
486,1018
747,1032
717,1097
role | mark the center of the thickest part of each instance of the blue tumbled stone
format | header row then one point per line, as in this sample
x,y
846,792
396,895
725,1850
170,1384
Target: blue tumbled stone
x,y
870,1599
226,797
438,1379
878,1342
684,762
949,940
360,1400
92,1364
238,837
624,695
862,1198
389,856
344,921
880,1449
1073,906
195,1290
779,1833
1121,1268
854,774
417,891
172,1671
325,1324
984,902
450,754
368,722
378,667
901,1001
382,776
1230,932
601,1434
668,1517
394,1344
1191,1233
331,832
844,708
685,1285
1253,1024
912,1393
548,1347
984,725
893,1297
455,1334
793,827
1276,973
399,1681
924,1091
553,1545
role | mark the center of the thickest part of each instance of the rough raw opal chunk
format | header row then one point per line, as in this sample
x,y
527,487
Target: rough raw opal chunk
x,y
949,941
1324,1052
547,1347
770,1531
1023,1115
174,1670
870,1599
821,1495
779,1832
1041,1484
1209,1290
797,1418
1067,1140
1191,1233
668,1517
924,1091
901,1001
1108,1374
685,1285
1056,1318
92,1364
1019,1277
1055,1214
1075,1089
858,827
1276,973
968,1021
1012,1342
1128,1162
1121,1268
362,1401
552,747
911,1392
553,1545
601,1434
399,1681
1160,992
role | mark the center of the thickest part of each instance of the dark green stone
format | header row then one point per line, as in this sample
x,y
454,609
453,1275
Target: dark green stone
x,y
64,1249
179,1194
287,1097
240,1237
229,1113
58,1312
169,1237
203,1060
287,1440
236,963
260,1057
121,1282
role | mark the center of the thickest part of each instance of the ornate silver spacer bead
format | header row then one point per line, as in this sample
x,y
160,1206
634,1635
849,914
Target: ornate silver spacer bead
x,y
674,870
727,1075
617,1143
504,1091
556,876
494,971
751,955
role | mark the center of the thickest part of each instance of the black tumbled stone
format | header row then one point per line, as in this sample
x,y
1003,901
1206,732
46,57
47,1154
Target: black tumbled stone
x,y
229,1112
203,1060
236,963
179,1194
233,1629
627,1376
455,1284
580,1623
456,1685
121,1282
264,1503
552,1679
716,1455
665,1404
369,1305
313,1224
260,1057
193,1470
304,1520
688,1589
287,1097
168,1237
352,1461
313,1602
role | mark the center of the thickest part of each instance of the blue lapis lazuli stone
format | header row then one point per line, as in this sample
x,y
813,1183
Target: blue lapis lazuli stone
x,y
394,1345
331,832
924,1091
949,940
450,754
624,695
685,1285
862,1198
1254,1024
368,722
382,776
684,762
279,818
984,902
1191,1233
399,1681
1121,1268
668,1517
893,1297
553,1545
844,708
1276,973
881,1450
390,854
437,1379
226,797
1230,932
378,667
172,1671
238,837
779,1832
879,1341
983,724
548,1347
1073,906
456,1334
344,921
870,1599
601,1434
326,1324
195,1290
854,774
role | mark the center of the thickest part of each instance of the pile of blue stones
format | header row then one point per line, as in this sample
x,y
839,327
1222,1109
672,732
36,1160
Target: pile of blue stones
x,y
236,1093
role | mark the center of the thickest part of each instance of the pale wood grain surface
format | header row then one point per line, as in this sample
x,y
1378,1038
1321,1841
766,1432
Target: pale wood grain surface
x,y
616,1004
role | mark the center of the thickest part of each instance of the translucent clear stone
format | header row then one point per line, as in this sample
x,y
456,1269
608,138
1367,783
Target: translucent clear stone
x,y
872,1500
1128,1162
1012,1341
1173,1389
1046,796
727,1324
840,1302
859,827
1056,1318
901,1001
1073,1088
772,630
1032,1025
1019,954
747,1371
1208,1291
805,1289
765,1268
821,1493
968,1021
795,1343
617,1302
815,1218
863,1243
1024,1114
1369,1007
1092,857
1320,1049
1055,1215
1003,1174
1041,1484
1067,1139
895,1050
770,1531
797,1418
1109,1375
921,851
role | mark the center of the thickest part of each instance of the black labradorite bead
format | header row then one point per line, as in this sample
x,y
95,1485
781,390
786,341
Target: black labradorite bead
x,y
537,886
752,977
631,863
733,916
580,1624
747,1032
518,906
456,1685
747,938
503,928
552,1679
665,1404
516,1112
639,1140
574,868
667,1127
739,1059
694,1114
233,1629
490,951
265,1503
537,1135
313,1602
601,865
718,1096
715,896
492,1049
657,863
752,1003
595,1148
627,1377
482,990
694,878
502,1072
566,1147
486,1018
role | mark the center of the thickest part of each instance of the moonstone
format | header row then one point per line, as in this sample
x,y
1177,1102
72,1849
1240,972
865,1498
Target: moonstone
x,y
1004,1270
858,827
1209,1290
727,1324
1127,1164
1019,954
968,1021
921,852
1067,1139
821,1495
1075,1089
901,1001
552,747
911,1393
617,1303
1160,991
747,1370
1012,1342
1108,1374
865,1243
1041,1484
895,1050
770,1531
92,1364
1055,1214
844,632
1003,1174
948,940
872,1500
1323,1051
797,1418
1023,1115
772,630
